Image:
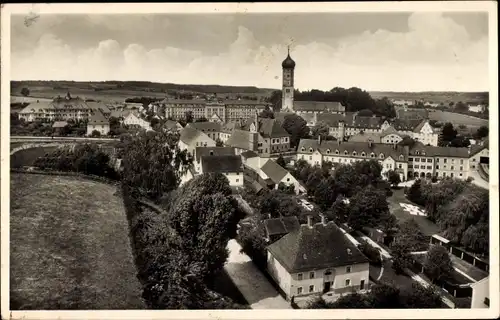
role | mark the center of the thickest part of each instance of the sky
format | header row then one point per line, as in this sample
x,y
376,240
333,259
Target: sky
x,y
426,51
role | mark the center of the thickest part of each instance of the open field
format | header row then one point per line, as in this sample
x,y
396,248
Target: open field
x,y
427,227
69,246
456,118
118,91
28,156
436,97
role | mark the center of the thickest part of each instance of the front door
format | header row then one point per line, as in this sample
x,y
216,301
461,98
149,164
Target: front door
x,y
327,286
362,285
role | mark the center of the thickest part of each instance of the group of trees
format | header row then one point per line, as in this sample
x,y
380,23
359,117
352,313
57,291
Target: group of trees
x,y
355,99
179,251
86,158
459,208
361,182
385,296
450,138
297,128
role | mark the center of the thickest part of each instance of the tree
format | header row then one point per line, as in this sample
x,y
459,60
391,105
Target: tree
x,y
202,119
25,92
296,127
153,163
326,193
281,161
368,208
95,133
415,193
482,132
460,142
393,177
385,296
205,216
351,301
447,134
267,113
321,130
410,236
279,204
460,106
219,143
437,263
365,113
420,297
407,141
188,115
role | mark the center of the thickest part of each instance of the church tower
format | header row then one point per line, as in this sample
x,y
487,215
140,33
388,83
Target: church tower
x,y
288,66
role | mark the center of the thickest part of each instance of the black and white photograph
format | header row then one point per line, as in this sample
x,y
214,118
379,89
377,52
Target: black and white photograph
x,y
319,157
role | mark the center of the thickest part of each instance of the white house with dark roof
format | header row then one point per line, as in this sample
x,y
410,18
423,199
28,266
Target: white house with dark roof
x,y
200,152
211,129
317,259
228,165
134,120
99,123
277,174
418,129
190,138
481,294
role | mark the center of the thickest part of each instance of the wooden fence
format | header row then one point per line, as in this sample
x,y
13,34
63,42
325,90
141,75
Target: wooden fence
x,y
461,253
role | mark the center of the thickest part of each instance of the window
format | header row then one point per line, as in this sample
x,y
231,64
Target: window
x,y
310,150
417,160
328,151
287,179
354,153
237,180
299,290
348,269
345,153
445,160
487,301
461,168
452,160
410,166
461,161
400,166
410,159
303,149
473,159
437,159
311,275
372,155
336,152
460,174
451,174
310,157
347,282
381,156
437,166
429,160
452,168
299,276
401,157
311,288
416,166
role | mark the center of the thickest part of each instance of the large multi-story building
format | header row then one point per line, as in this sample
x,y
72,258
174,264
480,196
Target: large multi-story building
x,y
225,110
62,109
391,157
420,161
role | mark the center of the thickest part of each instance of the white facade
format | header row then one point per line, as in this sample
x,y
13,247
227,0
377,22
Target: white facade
x,y
480,292
201,140
338,279
103,129
134,120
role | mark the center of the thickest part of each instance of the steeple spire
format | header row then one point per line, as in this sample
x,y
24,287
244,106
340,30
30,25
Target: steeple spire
x,y
288,49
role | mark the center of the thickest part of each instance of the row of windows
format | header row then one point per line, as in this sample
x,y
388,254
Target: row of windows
x,y
354,153
300,290
430,167
312,274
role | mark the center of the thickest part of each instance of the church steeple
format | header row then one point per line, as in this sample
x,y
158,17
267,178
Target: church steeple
x,y
288,82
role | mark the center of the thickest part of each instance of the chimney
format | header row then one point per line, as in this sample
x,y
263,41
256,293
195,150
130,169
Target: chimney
x,y
309,221
319,139
370,142
323,220
315,118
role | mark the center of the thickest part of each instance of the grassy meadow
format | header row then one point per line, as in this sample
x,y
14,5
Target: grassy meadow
x,y
69,246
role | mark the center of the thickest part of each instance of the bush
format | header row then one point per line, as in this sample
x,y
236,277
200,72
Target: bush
x,y
372,253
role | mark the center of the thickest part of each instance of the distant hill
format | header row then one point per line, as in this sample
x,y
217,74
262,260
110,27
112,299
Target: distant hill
x,y
113,90
434,96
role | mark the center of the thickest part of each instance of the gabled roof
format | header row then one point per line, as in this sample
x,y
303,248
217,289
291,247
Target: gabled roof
x,y
274,171
420,149
189,134
478,148
249,154
228,127
359,147
317,247
213,151
365,122
421,125
222,164
206,126
242,139
120,113
281,226
98,119
390,130
406,124
366,137
171,124
318,106
332,119
268,128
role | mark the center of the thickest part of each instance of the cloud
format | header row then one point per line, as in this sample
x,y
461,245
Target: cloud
x,y
435,53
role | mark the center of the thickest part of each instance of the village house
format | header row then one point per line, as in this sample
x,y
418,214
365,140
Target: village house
x,y
190,138
200,152
478,108
391,157
274,174
211,129
134,120
418,129
317,259
58,127
99,123
228,165
276,228
172,125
